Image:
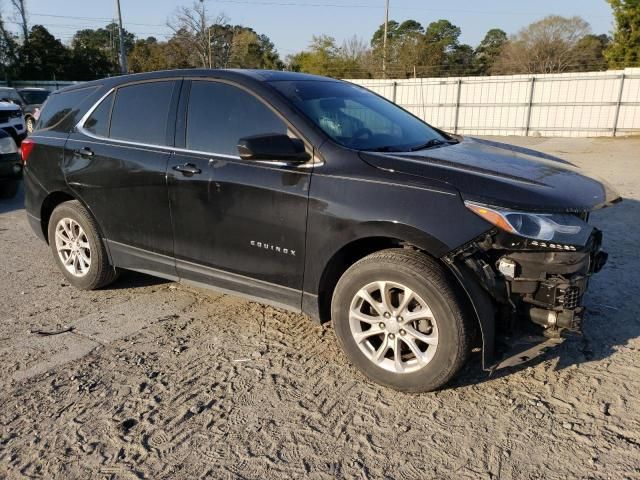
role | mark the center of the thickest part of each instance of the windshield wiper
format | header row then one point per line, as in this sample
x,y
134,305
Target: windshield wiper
x,y
385,148
434,142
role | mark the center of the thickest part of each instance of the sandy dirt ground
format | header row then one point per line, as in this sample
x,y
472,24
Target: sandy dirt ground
x,y
159,380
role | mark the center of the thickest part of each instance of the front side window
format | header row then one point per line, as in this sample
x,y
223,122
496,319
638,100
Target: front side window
x,y
140,112
356,118
220,114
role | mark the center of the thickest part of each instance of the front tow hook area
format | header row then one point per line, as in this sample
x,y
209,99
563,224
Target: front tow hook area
x,y
550,319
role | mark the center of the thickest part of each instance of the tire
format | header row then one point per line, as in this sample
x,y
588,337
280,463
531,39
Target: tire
x,y
9,188
71,221
441,328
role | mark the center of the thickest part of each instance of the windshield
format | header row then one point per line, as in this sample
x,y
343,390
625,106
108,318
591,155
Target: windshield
x,y
356,118
34,97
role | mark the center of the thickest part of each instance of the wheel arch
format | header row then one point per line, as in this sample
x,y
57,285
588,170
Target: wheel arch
x,y
478,302
49,204
370,238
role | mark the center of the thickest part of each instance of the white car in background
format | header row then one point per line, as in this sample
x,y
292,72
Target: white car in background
x,y
12,121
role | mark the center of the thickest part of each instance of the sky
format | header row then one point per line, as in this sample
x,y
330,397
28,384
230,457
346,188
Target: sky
x,y
291,23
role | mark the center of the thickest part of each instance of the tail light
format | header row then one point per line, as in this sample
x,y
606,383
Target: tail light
x,y
25,149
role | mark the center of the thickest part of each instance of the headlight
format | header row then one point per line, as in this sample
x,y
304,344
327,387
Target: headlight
x,y
7,145
562,228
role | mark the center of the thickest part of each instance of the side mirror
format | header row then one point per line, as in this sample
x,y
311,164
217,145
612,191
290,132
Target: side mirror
x,y
273,147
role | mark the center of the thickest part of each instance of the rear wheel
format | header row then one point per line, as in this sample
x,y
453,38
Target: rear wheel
x,y
77,247
399,318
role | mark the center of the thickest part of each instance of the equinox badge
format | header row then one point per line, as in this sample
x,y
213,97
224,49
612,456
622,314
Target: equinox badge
x,y
273,248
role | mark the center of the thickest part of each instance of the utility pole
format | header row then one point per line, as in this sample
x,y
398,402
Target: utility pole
x,y
123,55
384,40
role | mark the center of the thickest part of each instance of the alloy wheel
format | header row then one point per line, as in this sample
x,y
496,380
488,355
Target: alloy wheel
x,y
73,247
393,326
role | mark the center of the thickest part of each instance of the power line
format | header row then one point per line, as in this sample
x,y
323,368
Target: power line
x,y
378,7
95,18
79,27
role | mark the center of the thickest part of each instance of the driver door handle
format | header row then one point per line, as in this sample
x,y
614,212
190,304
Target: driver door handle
x,y
187,169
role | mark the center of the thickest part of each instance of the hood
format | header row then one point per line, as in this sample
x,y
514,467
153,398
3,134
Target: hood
x,y
8,106
502,175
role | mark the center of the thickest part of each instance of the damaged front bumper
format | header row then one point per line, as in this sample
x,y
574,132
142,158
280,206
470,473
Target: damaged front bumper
x,y
530,287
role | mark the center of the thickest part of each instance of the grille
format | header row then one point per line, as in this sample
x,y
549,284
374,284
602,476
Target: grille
x,y
571,298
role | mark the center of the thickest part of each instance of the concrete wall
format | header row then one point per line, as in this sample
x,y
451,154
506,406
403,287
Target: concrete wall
x,y
567,105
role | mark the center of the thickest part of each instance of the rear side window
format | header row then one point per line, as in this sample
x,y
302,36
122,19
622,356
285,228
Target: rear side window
x,y
220,114
140,112
98,121
60,109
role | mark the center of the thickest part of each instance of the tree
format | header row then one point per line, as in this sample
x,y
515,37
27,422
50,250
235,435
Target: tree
x,y
355,58
489,50
148,55
43,57
193,26
8,51
442,49
624,50
104,40
550,45
459,61
86,63
21,9
404,46
319,59
591,53
241,47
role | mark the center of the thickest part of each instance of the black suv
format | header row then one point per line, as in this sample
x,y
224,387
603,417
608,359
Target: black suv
x,y
318,196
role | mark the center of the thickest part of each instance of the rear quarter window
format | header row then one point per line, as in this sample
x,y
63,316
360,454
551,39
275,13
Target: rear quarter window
x,y
60,110
98,121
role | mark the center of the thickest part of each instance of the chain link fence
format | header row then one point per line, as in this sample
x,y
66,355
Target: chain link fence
x,y
570,104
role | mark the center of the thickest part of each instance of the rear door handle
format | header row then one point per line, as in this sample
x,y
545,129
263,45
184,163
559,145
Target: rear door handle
x,y
187,169
84,152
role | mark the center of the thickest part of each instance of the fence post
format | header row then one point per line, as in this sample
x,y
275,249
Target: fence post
x,y
529,105
617,112
395,88
455,118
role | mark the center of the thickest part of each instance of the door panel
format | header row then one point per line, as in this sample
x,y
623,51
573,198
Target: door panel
x,y
240,217
243,221
118,169
125,188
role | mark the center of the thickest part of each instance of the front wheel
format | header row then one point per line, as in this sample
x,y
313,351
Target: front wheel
x,y
78,248
401,321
